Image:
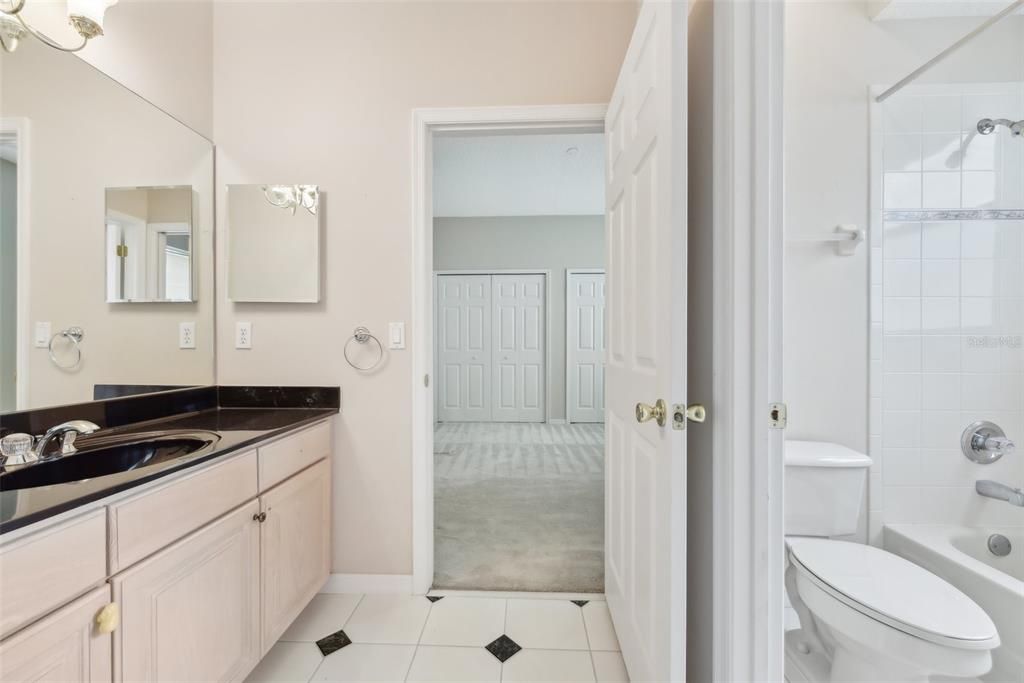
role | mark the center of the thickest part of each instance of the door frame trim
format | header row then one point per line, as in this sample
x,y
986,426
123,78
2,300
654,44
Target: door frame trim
x,y
548,377
747,493
19,128
582,118
569,272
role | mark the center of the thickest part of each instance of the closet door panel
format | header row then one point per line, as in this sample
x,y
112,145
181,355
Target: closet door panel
x,y
463,348
519,328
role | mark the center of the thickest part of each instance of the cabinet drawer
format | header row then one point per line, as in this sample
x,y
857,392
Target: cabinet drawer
x,y
50,567
281,459
143,524
65,647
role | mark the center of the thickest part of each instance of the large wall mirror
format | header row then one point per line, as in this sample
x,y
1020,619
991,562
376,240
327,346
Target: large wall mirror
x,y
106,237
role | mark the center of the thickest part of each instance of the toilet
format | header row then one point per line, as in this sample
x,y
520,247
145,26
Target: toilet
x,y
865,614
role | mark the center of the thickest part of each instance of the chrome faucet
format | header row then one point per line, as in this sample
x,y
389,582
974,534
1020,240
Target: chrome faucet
x,y
993,489
68,432
984,442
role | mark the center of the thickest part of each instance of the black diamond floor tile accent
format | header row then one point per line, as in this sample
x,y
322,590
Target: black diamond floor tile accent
x,y
580,603
503,648
434,598
333,642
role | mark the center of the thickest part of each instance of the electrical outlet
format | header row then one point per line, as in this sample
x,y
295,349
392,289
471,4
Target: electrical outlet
x,y
243,335
186,335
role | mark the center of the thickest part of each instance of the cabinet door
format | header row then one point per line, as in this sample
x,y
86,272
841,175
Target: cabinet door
x,y
64,647
191,612
296,546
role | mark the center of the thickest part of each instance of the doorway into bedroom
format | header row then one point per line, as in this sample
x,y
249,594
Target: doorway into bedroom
x,y
519,258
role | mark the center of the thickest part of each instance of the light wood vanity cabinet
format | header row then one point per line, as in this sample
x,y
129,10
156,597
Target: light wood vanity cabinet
x,y
63,646
296,546
191,612
207,570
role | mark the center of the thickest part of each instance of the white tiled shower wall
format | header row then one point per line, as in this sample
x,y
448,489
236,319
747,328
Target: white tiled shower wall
x,y
947,302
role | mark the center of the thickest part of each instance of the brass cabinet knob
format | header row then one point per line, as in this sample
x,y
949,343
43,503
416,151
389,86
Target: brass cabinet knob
x,y
108,618
646,413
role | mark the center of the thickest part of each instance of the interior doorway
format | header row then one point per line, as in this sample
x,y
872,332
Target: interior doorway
x,y
518,252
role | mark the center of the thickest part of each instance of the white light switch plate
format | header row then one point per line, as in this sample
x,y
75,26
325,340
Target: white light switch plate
x,y
396,335
187,335
42,335
243,335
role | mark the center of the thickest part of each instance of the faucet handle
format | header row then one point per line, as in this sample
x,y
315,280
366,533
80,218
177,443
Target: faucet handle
x,y
999,444
984,442
16,449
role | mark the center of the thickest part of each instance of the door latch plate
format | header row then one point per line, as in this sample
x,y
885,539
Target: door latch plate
x,y
777,415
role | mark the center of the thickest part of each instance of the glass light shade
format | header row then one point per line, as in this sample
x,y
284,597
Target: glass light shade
x,y
93,10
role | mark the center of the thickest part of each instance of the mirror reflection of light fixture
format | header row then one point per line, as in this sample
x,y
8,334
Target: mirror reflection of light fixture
x,y
293,196
85,16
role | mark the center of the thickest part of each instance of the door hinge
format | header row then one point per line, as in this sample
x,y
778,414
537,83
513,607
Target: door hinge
x,y
121,250
777,415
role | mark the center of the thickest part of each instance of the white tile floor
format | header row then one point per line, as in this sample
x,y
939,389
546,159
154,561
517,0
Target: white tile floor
x,y
408,638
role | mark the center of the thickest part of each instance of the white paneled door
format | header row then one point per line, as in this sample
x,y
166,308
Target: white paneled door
x,y
491,348
645,483
464,348
584,335
518,321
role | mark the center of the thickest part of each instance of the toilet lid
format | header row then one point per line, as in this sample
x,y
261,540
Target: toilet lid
x,y
894,591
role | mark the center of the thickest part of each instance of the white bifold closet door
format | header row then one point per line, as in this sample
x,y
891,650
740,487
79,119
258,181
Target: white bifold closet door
x,y
491,348
463,348
518,322
584,332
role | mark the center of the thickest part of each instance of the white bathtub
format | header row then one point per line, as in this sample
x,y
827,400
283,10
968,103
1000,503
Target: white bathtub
x,y
960,555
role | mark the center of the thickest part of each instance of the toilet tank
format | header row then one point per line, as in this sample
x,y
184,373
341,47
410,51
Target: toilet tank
x,y
824,488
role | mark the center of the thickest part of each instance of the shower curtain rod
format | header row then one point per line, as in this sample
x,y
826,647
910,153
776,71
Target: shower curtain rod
x,y
916,73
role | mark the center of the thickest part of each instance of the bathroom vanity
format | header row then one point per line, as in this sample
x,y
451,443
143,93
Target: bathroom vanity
x,y
189,569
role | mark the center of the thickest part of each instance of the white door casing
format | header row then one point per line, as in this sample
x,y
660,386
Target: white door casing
x,y
645,484
584,346
464,348
517,316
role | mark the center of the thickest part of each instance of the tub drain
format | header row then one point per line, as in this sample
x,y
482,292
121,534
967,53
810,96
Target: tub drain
x,y
999,545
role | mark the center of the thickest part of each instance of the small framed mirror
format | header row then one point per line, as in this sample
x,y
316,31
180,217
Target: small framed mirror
x,y
274,243
149,244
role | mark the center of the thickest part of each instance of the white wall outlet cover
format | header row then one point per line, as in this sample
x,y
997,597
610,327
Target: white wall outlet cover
x,y
41,339
396,335
243,335
187,335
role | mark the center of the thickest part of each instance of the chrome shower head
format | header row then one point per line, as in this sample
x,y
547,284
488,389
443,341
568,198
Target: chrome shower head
x,y
988,126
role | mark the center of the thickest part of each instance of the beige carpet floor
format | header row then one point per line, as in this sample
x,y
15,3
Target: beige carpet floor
x,y
519,507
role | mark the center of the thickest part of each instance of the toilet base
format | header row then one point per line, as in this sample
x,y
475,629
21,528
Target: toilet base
x,y
803,665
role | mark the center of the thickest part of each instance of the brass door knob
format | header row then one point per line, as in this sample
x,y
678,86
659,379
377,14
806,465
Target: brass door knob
x,y
646,413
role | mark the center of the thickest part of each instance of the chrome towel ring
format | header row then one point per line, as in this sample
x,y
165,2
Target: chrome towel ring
x,y
73,335
362,335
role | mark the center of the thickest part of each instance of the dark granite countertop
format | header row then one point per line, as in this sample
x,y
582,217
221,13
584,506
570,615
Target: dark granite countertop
x,y
239,428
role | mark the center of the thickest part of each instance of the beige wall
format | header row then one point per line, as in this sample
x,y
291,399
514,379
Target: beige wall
x,y
328,100
833,54
553,243
161,49
117,140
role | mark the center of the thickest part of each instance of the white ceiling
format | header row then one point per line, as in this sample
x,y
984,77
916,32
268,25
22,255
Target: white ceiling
x,y
882,10
519,175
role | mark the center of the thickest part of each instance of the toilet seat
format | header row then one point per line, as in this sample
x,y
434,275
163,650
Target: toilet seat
x,y
893,591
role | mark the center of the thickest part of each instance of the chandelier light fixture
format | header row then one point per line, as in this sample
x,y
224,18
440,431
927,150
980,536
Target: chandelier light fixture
x,y
85,16
291,197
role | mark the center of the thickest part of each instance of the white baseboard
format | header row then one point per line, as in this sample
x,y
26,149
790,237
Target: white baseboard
x,y
556,421
400,584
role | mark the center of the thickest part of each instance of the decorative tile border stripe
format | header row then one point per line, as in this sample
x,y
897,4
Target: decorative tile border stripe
x,y
916,216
